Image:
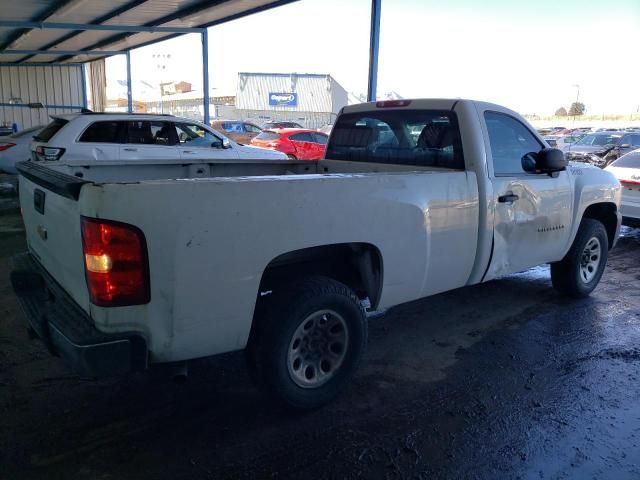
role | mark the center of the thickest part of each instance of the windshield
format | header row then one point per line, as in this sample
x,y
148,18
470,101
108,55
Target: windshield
x,y
50,130
594,140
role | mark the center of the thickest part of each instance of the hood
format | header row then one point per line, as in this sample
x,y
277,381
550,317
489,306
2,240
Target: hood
x,y
260,153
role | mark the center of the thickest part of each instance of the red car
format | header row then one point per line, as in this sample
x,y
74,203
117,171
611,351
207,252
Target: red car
x,y
297,143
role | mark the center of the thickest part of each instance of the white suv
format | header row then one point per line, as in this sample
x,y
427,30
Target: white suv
x,y
123,137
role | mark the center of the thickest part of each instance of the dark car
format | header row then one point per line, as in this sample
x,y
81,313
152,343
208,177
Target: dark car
x,y
594,148
274,124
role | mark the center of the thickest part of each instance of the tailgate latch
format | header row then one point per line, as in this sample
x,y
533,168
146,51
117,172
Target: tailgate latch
x,y
42,232
38,200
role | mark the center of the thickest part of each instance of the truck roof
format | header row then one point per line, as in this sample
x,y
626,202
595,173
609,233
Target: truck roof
x,y
418,103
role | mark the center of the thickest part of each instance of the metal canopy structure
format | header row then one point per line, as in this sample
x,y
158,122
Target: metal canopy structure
x,y
54,32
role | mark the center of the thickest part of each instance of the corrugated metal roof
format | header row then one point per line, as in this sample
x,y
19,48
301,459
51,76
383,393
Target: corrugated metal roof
x,y
138,13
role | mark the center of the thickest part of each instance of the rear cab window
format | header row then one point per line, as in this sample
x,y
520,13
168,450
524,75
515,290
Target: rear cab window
x,y
429,138
50,130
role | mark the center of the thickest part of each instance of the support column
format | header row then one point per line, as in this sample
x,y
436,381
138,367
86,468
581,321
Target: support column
x,y
374,45
129,94
205,75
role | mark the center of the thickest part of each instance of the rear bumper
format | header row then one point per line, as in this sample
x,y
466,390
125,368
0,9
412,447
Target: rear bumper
x,y
67,331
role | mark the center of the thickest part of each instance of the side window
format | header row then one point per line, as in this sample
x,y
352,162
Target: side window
x,y
192,135
232,127
146,132
301,137
510,141
102,132
319,138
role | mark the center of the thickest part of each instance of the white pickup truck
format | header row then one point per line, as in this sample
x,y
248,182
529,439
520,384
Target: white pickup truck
x,y
130,266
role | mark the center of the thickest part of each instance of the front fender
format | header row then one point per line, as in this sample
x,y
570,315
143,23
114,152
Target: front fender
x,y
592,186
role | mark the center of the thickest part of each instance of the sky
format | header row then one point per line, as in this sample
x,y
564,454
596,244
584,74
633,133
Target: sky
x,y
533,56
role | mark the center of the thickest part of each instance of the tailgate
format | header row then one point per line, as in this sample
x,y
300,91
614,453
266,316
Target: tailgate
x,y
51,214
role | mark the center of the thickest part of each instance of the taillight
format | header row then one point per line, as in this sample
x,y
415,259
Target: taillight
x,y
49,154
630,182
393,103
115,262
6,146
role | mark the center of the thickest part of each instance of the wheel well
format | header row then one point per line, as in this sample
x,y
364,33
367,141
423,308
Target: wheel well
x,y
357,265
607,214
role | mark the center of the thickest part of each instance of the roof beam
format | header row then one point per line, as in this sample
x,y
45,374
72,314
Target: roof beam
x,y
40,18
91,26
198,7
104,18
60,52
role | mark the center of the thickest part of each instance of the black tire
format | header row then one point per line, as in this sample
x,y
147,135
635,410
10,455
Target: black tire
x,y
291,157
567,275
270,347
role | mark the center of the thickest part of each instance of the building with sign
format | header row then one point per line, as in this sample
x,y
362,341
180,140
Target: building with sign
x,y
310,99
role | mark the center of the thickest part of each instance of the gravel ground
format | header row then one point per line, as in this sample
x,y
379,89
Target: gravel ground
x,y
501,380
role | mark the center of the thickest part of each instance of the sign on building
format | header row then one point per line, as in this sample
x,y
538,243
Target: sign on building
x,y
283,99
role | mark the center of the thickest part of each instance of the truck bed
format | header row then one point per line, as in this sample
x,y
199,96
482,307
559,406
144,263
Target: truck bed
x,y
120,171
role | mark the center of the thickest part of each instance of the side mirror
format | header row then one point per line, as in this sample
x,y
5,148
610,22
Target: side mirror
x,y
223,143
625,145
550,160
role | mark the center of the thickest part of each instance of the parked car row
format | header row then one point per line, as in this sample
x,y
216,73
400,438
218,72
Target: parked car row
x,y
602,148
289,138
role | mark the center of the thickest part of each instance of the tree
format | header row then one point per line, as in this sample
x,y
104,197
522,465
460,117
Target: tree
x,y
577,108
561,112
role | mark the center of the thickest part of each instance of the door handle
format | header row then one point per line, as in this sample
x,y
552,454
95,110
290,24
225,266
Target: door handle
x,y
188,151
130,149
508,198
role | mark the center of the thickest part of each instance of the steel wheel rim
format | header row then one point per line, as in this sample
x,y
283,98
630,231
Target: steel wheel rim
x,y
317,349
590,260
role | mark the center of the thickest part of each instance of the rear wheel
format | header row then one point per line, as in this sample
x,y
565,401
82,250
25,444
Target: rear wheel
x,y
579,272
309,343
291,157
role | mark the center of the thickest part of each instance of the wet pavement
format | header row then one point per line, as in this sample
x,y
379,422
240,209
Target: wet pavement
x,y
501,380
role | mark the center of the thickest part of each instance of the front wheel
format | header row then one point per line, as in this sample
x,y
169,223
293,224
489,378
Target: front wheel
x,y
310,342
579,272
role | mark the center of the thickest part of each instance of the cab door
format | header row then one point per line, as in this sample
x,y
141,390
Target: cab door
x,y
532,212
